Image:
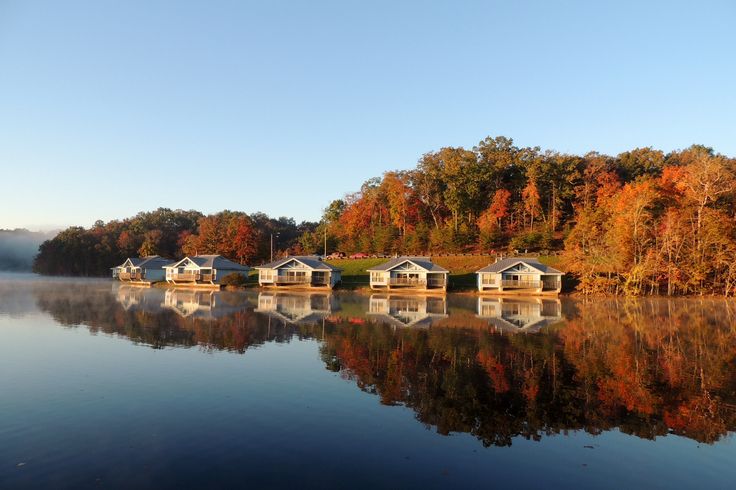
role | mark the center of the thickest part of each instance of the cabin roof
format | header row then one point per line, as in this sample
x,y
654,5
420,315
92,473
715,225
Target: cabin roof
x,y
213,262
150,262
153,262
310,261
507,263
422,262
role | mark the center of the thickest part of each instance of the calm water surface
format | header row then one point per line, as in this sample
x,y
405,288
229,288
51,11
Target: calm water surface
x,y
108,386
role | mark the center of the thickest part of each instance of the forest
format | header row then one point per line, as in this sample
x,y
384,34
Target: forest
x,y
79,251
641,222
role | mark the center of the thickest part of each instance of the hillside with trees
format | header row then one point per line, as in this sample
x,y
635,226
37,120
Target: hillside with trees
x,y
79,251
641,222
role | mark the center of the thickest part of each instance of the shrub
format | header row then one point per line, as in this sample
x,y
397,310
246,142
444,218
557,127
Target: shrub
x,y
233,279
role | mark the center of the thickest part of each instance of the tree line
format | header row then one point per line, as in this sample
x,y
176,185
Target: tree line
x,y
79,251
641,222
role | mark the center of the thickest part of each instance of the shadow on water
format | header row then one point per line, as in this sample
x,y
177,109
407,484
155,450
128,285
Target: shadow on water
x,y
494,368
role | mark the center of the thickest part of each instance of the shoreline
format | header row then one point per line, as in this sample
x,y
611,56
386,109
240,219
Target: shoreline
x,y
364,289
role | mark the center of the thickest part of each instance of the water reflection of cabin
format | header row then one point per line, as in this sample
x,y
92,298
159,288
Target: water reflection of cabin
x,y
202,304
408,273
297,307
139,299
203,270
519,276
519,314
407,311
141,270
298,272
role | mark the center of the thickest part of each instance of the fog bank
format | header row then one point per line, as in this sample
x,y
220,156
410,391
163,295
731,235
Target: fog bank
x,y
19,247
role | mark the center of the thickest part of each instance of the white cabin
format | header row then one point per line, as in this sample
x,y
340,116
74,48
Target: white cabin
x,y
141,270
519,276
303,271
408,273
203,270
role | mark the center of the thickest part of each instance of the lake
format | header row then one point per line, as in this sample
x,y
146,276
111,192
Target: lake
x,y
110,386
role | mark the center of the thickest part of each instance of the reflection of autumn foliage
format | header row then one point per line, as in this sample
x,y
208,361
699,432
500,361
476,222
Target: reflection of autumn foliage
x,y
496,372
671,362
625,387
646,368
100,312
699,418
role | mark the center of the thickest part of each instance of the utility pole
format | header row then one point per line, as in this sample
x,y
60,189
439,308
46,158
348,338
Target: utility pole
x,y
325,240
272,246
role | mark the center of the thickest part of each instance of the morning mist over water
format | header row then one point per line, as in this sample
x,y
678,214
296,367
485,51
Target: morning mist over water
x,y
19,247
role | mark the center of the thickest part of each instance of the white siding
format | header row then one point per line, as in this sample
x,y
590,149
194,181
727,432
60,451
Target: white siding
x,y
335,277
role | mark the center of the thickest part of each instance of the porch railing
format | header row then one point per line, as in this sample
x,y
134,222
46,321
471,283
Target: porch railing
x,y
527,284
130,276
292,279
185,276
406,281
313,280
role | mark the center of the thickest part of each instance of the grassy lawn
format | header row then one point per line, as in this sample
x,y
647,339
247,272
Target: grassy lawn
x,y
462,269
353,270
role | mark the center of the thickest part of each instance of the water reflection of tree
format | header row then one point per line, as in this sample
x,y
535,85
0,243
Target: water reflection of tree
x,y
646,368
99,311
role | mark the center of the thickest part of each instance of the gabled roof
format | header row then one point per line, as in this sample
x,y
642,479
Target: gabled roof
x,y
150,262
508,263
310,261
134,261
211,261
153,262
422,262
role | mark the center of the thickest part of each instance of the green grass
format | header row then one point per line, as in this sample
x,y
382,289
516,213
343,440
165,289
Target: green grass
x,y
354,270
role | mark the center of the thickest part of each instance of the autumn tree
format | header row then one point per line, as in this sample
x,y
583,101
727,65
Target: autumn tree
x,y
530,197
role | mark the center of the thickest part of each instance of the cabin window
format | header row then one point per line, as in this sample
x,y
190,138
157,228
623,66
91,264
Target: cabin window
x,y
407,275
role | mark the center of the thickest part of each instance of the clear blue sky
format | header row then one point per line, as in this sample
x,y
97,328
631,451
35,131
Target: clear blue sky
x,y
108,108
